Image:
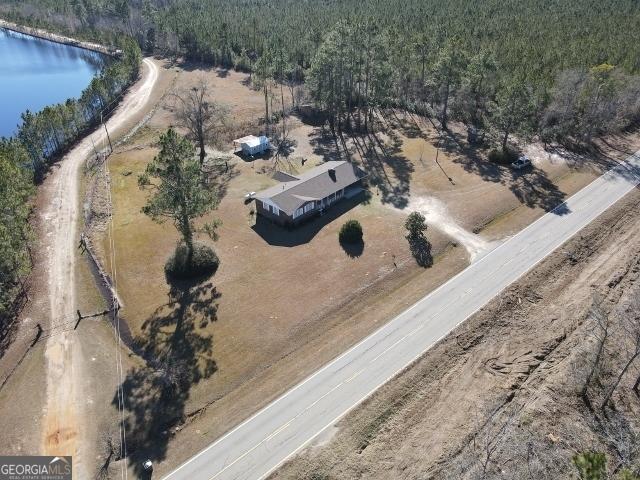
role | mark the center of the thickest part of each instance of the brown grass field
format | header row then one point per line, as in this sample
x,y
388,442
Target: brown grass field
x,y
284,302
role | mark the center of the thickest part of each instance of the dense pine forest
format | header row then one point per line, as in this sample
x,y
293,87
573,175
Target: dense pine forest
x,y
532,38
563,70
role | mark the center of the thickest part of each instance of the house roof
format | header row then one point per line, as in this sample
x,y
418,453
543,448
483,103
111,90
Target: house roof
x,y
314,184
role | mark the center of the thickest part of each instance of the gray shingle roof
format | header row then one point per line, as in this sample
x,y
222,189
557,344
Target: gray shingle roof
x,y
314,184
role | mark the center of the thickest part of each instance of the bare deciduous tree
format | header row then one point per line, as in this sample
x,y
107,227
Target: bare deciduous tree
x,y
630,323
200,116
600,332
622,439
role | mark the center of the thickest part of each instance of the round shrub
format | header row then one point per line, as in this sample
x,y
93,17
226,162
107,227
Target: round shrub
x,y
351,232
204,262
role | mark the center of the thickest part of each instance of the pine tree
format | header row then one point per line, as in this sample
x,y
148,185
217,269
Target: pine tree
x,y
179,192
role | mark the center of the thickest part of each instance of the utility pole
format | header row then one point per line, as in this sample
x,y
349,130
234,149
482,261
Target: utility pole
x,y
94,148
108,137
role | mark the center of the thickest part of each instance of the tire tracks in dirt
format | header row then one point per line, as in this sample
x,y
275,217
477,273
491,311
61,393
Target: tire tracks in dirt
x,y
65,414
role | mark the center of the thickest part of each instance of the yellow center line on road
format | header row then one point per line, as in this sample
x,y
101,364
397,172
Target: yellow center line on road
x,y
353,376
275,432
278,430
506,263
319,399
394,344
283,427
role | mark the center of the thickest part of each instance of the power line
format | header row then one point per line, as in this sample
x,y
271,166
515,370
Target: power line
x,y
116,320
107,132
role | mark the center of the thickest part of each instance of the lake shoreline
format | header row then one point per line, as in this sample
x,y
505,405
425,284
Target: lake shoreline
x,y
54,37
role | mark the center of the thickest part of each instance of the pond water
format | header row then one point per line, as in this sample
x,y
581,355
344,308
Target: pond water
x,y
35,73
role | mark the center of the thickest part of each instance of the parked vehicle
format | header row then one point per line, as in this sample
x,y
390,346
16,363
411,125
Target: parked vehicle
x,y
522,162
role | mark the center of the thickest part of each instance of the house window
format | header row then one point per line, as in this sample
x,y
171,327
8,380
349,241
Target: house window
x,y
308,207
298,212
276,210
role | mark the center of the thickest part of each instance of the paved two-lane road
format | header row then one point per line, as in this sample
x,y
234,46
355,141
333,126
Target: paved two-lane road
x,y
259,445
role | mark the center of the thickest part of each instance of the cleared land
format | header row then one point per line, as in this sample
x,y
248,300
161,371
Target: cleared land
x,y
500,396
283,302
260,444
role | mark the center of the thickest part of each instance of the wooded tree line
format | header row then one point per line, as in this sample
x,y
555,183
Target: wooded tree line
x,y
41,136
534,37
16,185
47,133
517,66
353,74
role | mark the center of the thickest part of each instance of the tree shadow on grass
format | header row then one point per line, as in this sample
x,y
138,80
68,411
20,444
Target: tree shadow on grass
x,y
283,146
600,156
403,121
382,159
191,65
388,169
218,175
421,250
353,250
324,144
177,356
532,187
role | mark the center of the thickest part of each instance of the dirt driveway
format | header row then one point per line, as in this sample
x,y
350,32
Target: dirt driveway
x,y
54,390
66,415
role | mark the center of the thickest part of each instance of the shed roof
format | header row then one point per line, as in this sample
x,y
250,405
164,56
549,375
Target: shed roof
x,y
252,140
314,184
244,139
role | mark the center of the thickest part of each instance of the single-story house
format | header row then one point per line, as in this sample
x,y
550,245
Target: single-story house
x,y
251,145
300,197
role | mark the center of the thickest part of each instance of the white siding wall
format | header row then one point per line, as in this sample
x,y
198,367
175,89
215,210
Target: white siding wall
x,y
270,207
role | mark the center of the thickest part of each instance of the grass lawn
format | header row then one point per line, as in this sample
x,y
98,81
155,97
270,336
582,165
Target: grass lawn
x,y
284,302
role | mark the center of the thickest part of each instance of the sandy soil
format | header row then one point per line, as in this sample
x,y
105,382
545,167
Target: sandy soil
x,y
499,397
66,419
68,362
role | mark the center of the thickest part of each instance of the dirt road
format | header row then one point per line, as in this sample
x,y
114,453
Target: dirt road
x,y
64,418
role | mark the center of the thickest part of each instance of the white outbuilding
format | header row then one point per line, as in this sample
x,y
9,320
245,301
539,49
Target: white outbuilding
x,y
252,145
